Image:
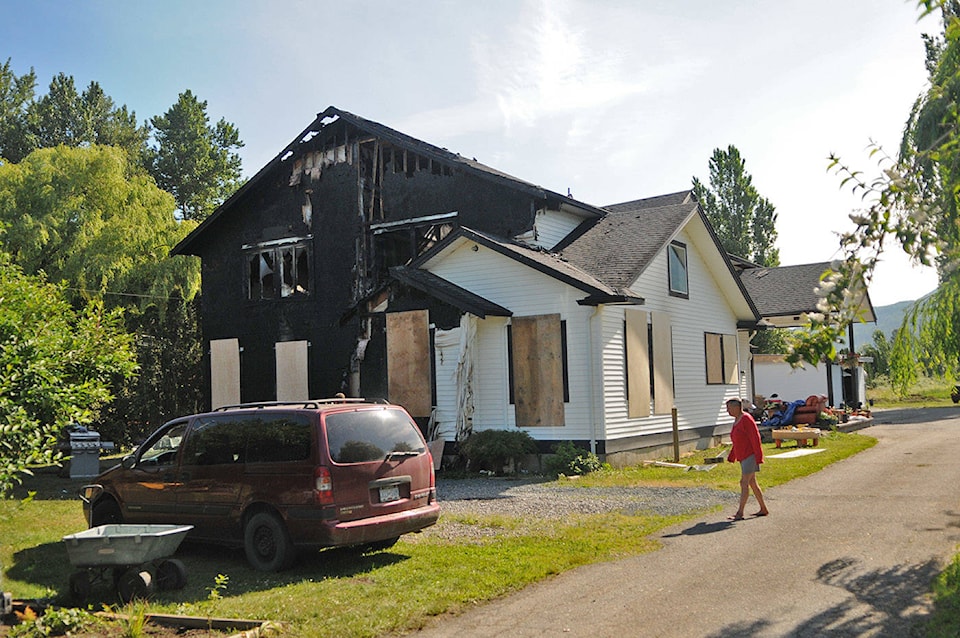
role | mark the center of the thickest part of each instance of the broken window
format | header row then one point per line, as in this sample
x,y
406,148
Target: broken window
x,y
278,271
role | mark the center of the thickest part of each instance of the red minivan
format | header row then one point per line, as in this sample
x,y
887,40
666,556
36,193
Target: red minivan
x,y
274,477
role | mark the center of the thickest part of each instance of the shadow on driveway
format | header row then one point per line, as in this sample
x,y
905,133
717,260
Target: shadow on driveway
x,y
892,596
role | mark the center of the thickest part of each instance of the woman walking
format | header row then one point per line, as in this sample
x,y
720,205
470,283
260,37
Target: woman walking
x,y
746,448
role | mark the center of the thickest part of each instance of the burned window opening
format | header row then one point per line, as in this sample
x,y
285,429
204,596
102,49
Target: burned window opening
x,y
278,272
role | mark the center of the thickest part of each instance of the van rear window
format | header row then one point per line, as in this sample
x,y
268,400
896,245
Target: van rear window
x,y
369,435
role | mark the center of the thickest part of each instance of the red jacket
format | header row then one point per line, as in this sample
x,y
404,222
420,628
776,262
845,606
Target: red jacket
x,y
746,439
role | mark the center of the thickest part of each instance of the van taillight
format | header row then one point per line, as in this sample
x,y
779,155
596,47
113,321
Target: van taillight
x,y
323,485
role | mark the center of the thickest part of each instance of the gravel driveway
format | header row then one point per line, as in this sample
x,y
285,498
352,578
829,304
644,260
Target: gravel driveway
x,y
533,498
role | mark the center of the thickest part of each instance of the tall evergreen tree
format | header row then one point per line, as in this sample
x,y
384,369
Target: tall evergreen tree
x,y
65,116
744,221
192,160
16,93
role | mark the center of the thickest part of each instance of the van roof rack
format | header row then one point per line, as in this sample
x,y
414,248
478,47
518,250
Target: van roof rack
x,y
308,404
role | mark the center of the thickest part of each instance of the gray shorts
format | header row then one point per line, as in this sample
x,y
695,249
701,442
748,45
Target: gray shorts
x,y
749,465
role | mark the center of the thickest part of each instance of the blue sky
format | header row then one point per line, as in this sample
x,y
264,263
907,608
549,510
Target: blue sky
x,y
611,99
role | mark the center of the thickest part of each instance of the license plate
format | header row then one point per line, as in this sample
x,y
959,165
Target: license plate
x,y
391,493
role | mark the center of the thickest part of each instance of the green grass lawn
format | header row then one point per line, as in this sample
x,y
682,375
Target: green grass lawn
x,y
334,593
925,393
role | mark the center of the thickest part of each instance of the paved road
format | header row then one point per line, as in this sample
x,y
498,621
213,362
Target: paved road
x,y
850,551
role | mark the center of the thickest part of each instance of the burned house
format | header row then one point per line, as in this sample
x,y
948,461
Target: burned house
x,y
364,261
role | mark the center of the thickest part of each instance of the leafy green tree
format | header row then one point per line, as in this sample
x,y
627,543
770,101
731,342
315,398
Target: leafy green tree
x,y
914,202
169,381
193,160
57,366
16,94
65,116
744,221
89,218
96,223
879,351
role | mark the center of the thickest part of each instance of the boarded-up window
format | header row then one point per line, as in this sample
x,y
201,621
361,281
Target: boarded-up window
x,y
224,372
721,358
537,368
408,361
638,363
662,363
292,383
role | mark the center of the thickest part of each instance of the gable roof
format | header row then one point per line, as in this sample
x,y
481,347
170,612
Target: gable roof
x,y
619,247
541,260
332,121
782,294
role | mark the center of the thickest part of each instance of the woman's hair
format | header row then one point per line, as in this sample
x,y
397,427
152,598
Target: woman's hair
x,y
738,402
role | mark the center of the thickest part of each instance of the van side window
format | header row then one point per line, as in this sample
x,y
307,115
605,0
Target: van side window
x,y
163,451
279,439
355,437
214,441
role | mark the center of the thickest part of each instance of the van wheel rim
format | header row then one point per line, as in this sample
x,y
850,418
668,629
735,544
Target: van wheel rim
x,y
264,542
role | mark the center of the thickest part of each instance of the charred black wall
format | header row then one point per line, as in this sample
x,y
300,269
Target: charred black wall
x,y
273,209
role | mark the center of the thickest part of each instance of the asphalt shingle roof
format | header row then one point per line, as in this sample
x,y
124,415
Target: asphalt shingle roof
x,y
784,290
618,247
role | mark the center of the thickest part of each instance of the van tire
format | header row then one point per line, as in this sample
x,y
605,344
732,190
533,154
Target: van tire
x,y
266,543
106,512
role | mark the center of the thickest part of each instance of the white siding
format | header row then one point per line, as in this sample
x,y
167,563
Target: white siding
x,y
552,226
524,291
706,310
447,351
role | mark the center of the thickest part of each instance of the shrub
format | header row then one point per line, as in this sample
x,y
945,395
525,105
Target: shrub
x,y
493,449
569,459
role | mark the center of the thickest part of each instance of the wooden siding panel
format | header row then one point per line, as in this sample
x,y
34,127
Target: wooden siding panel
x,y
712,351
292,382
224,372
638,364
663,399
730,368
408,361
537,371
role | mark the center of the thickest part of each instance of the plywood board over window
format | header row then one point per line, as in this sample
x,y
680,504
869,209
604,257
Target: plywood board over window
x,y
408,361
224,372
538,370
292,384
662,363
638,364
720,351
730,366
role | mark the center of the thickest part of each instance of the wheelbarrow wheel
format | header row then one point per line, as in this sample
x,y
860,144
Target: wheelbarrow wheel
x,y
135,583
79,587
171,574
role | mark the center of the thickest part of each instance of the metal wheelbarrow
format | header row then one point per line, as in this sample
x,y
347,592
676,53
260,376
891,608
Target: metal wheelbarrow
x,y
133,557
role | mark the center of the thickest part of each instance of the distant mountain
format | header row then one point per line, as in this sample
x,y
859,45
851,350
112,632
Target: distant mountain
x,y
889,319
